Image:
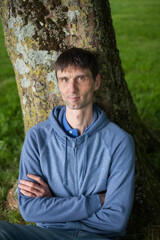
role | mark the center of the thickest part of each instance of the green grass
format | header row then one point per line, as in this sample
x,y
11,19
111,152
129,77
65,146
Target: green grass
x,y
137,25
11,134
11,129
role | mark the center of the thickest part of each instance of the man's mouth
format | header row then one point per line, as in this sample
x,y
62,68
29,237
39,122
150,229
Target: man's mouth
x,y
74,99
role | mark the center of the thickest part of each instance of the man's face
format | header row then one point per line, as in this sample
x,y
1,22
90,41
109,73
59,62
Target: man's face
x,y
77,86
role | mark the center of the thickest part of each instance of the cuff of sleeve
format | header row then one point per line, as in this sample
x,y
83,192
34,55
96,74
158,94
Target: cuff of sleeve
x,y
94,204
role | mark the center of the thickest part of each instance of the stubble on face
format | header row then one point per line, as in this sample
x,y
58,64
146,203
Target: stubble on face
x,y
77,87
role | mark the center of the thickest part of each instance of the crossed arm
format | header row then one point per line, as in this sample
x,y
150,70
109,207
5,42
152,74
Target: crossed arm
x,y
104,212
41,189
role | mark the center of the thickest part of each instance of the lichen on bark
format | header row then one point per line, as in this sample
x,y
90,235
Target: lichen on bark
x,y
35,34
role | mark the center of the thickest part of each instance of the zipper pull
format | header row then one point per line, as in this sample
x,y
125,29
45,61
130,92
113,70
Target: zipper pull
x,y
73,143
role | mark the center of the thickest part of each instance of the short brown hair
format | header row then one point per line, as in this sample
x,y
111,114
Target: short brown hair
x,y
77,57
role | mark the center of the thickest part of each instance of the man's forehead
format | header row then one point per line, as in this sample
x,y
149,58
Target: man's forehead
x,y
73,70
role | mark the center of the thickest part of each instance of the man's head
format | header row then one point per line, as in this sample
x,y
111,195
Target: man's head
x,y
77,77
77,57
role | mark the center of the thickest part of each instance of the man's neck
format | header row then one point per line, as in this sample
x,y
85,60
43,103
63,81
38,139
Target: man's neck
x,y
80,119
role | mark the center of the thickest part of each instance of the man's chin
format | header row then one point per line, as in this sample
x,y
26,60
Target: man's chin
x,y
76,106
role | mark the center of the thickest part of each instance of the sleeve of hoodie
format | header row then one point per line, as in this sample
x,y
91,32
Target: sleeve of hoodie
x,y
45,209
114,214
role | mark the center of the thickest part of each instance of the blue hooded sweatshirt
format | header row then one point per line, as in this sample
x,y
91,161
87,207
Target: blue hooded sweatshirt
x,y
77,169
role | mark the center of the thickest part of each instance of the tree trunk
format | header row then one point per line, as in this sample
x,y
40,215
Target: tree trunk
x,y
36,32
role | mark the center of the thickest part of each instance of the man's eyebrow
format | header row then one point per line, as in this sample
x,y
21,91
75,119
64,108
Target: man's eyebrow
x,y
62,77
79,75
83,74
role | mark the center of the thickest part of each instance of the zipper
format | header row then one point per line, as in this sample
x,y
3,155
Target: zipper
x,y
75,165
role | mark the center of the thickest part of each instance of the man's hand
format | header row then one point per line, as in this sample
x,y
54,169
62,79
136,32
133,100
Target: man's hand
x,y
31,189
102,197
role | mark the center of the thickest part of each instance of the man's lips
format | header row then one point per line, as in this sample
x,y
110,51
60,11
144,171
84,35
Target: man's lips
x,y
74,98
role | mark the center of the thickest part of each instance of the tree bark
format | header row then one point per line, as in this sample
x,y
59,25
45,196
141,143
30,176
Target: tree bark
x,y
36,32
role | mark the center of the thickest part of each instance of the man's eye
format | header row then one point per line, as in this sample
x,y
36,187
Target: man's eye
x,y
64,79
80,78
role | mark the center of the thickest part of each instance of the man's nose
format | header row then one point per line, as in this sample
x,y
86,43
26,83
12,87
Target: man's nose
x,y
73,86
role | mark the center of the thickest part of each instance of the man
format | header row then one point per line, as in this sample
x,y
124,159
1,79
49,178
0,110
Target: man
x,y
76,178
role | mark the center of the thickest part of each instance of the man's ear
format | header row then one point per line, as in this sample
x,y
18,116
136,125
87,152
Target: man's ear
x,y
97,82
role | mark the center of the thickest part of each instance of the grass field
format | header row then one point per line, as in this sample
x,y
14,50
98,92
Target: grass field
x,y
137,26
11,130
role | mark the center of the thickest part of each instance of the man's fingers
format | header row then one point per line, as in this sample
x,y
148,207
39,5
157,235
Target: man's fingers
x,y
35,189
28,194
29,188
29,184
37,179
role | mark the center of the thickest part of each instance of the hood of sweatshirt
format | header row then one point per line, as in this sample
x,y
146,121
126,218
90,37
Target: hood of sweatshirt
x,y
55,120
